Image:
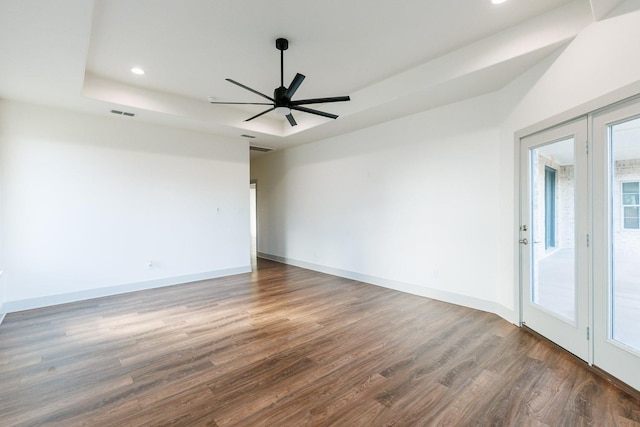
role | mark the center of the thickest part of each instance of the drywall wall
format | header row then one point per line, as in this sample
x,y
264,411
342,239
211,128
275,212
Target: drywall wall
x,y
95,205
428,204
599,61
597,68
409,204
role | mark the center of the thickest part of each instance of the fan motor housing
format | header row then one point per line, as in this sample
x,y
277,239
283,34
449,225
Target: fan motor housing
x,y
278,95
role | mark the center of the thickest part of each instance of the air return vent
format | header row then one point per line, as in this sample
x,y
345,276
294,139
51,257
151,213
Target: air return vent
x,y
244,135
261,149
123,113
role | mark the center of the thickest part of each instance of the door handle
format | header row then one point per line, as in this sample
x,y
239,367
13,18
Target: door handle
x,y
524,241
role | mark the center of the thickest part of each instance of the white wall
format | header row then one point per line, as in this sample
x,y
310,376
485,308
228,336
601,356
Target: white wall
x,y
596,69
88,201
602,59
428,203
425,203
410,204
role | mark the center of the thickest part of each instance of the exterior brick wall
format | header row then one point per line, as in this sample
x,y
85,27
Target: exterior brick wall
x,y
627,242
565,206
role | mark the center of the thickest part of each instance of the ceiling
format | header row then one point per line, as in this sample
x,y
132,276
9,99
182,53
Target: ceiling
x,y
392,58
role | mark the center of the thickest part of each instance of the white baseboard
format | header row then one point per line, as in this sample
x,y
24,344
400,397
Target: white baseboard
x,y
423,291
45,301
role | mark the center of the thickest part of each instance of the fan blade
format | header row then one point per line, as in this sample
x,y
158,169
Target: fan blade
x,y
293,87
259,114
292,121
320,100
250,90
241,103
316,112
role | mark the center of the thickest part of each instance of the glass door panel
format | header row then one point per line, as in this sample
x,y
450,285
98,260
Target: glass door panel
x,y
555,294
624,198
553,228
616,251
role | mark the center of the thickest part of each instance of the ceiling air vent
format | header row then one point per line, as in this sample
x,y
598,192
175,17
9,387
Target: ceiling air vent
x,y
244,135
261,149
122,113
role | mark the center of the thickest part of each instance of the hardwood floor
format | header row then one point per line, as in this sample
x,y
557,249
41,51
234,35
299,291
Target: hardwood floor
x,y
285,346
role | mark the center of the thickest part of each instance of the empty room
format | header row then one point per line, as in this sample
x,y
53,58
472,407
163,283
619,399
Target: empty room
x,y
299,213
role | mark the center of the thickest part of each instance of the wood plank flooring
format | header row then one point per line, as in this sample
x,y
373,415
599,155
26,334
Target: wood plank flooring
x,y
284,346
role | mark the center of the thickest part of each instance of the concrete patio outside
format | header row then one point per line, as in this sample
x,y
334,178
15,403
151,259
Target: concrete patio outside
x,y
555,292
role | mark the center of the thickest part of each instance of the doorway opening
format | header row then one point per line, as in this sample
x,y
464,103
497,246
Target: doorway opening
x,y
253,223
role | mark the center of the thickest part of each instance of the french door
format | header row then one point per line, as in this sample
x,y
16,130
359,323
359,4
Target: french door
x,y
553,233
580,238
616,232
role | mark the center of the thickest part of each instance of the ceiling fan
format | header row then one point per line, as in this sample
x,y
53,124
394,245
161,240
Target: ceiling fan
x,y
281,101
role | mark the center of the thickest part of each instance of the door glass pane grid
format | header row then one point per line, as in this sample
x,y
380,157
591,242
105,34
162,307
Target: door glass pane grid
x,y
624,233
553,228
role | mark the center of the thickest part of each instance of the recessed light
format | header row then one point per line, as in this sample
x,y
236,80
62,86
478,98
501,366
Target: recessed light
x,y
137,70
498,1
